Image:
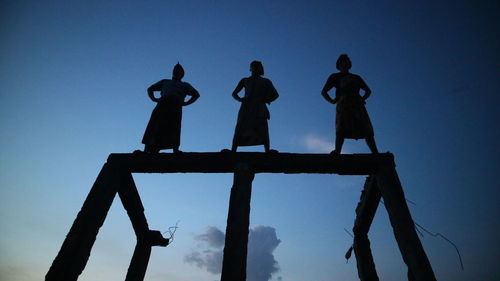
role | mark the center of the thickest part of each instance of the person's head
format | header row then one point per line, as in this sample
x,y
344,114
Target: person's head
x,y
178,72
344,63
256,68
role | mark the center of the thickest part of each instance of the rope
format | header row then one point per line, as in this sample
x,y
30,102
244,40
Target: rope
x,y
171,231
444,237
418,228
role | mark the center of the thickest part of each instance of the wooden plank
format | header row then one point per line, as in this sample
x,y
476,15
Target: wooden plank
x,y
225,162
75,251
234,262
146,238
132,203
419,267
365,212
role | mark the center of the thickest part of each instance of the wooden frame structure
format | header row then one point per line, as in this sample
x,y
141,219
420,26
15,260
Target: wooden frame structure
x,y
116,178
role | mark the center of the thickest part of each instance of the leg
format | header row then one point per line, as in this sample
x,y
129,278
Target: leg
x,y
339,142
151,149
234,147
370,141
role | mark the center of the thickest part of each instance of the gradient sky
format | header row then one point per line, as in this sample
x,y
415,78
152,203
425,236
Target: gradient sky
x,y
73,79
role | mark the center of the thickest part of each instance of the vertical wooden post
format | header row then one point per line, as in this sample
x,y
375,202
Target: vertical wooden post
x,y
132,203
145,238
235,249
75,251
139,263
365,212
419,267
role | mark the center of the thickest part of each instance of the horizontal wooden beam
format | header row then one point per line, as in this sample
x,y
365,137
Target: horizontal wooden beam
x,y
259,162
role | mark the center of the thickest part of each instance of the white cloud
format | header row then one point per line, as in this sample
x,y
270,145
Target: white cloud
x,y
262,242
315,143
319,144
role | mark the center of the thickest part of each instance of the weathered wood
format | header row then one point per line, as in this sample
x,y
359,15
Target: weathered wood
x,y
238,220
146,238
409,244
139,262
132,203
225,162
116,176
142,253
365,212
75,251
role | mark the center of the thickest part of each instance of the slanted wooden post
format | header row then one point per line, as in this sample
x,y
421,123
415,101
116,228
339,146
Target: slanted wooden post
x,y
145,238
419,268
75,251
365,212
234,262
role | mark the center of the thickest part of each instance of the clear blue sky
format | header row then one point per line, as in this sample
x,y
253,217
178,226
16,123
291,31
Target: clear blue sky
x,y
73,79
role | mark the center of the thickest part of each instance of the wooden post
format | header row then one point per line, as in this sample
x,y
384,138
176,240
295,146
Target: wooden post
x,y
132,203
365,212
75,251
235,249
145,238
419,268
139,263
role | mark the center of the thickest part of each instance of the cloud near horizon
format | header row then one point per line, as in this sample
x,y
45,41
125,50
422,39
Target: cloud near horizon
x,y
261,263
315,143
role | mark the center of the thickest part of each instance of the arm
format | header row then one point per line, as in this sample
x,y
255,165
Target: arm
x,y
365,88
328,86
272,94
238,88
194,96
152,89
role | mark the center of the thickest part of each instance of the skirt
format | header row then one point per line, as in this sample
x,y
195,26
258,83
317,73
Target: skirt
x,y
251,127
352,120
164,126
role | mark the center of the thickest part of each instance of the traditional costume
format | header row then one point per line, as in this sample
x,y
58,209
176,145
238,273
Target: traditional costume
x,y
251,127
164,127
352,121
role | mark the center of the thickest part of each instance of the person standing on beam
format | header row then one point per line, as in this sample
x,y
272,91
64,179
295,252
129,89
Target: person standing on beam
x,y
351,120
164,127
251,127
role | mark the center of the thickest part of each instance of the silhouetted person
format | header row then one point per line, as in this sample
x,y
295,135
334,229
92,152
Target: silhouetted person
x,y
164,127
251,127
351,121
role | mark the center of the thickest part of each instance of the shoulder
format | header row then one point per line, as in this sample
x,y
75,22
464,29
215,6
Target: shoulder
x,y
163,82
158,84
186,84
334,76
187,87
358,78
265,81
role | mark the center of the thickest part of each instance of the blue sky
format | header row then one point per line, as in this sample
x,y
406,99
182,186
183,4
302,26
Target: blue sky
x,y
73,79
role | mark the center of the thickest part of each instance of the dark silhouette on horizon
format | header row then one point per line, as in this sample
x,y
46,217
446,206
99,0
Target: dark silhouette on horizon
x,y
251,127
164,127
351,120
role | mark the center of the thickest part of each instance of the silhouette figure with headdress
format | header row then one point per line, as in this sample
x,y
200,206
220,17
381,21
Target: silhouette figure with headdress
x,y
164,127
251,127
351,120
